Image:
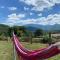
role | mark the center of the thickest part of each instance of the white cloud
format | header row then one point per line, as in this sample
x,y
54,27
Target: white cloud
x,y
55,1
31,13
26,8
15,19
2,7
29,2
21,15
23,22
39,5
15,16
49,20
12,8
40,14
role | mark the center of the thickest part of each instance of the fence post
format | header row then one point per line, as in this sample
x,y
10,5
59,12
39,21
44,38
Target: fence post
x,y
14,52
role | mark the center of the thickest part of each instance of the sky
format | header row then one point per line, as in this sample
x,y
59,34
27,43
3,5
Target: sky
x,y
22,12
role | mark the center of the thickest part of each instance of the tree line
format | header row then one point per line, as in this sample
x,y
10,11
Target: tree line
x,y
27,35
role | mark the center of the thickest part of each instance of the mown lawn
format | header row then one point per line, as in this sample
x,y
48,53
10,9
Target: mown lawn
x,y
6,50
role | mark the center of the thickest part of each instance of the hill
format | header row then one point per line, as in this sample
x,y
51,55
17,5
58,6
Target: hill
x,y
33,27
3,28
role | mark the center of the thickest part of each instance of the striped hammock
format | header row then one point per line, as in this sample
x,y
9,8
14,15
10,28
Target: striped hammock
x,y
40,54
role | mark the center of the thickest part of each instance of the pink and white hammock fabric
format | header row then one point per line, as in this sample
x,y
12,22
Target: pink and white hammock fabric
x,y
41,54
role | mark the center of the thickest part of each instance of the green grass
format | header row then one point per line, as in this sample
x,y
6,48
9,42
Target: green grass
x,y
33,46
6,50
39,45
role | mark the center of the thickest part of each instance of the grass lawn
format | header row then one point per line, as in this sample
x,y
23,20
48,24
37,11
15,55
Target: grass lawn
x,y
6,51
37,46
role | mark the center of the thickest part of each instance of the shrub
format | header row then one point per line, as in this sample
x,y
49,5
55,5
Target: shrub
x,y
38,32
46,39
24,39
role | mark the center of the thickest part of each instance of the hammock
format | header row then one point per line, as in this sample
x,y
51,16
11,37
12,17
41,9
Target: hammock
x,y
40,54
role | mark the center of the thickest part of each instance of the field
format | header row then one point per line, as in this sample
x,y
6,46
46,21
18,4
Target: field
x,y
39,45
6,50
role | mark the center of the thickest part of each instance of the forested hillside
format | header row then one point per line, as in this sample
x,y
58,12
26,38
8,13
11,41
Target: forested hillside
x,y
3,28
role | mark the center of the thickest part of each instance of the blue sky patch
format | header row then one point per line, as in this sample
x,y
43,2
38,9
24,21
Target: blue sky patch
x,y
22,12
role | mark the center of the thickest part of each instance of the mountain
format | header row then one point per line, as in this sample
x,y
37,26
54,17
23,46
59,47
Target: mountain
x,y
33,27
3,28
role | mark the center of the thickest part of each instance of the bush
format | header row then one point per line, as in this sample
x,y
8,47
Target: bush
x,y
24,39
46,39
38,32
3,38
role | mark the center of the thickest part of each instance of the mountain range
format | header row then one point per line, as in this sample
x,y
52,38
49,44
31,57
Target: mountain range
x,y
34,27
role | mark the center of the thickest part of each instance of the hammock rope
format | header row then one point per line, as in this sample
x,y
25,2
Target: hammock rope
x,y
40,54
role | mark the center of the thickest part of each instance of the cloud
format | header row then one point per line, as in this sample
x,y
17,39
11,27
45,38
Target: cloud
x,y
31,13
49,20
26,8
15,19
39,5
12,8
15,16
2,7
40,14
55,1
29,2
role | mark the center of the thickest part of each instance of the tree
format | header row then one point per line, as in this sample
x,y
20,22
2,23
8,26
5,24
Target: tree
x,y
47,39
50,35
31,36
10,32
50,38
22,28
38,32
15,30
